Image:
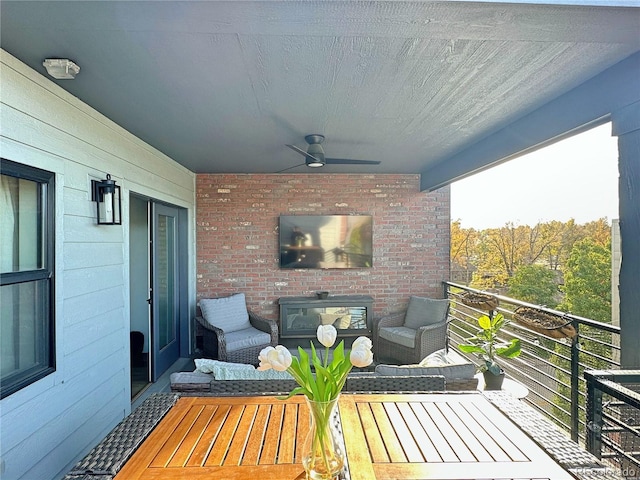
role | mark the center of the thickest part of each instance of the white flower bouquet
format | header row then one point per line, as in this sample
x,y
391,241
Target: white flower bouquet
x,y
321,455
330,377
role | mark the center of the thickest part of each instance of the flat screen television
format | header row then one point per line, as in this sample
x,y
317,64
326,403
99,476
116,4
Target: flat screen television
x,y
326,241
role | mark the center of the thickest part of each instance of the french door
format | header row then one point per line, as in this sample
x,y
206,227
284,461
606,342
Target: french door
x,y
164,289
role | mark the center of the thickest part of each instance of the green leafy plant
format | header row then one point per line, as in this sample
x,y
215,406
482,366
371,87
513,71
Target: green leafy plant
x,y
488,346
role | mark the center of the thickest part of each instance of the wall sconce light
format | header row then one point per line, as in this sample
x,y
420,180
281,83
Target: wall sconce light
x,y
106,194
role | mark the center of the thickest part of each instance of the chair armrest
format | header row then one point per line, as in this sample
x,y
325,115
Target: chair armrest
x,y
392,320
431,338
206,325
266,325
214,335
435,327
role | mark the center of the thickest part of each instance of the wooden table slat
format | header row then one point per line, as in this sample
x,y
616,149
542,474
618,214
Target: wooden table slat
x,y
175,439
205,444
304,422
403,433
443,448
512,449
377,450
356,447
186,448
241,436
426,446
500,447
387,433
269,453
225,436
256,441
476,448
287,449
449,434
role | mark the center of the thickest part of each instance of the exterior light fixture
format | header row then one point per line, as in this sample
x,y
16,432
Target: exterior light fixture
x,y
61,68
106,194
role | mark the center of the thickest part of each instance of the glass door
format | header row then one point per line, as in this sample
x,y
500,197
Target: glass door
x,y
164,289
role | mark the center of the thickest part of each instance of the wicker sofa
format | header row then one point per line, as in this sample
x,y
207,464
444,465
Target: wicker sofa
x,y
204,383
223,378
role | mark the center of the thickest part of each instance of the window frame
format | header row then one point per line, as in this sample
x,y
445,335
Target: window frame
x,y
45,272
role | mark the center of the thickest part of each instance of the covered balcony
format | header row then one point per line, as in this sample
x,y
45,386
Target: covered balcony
x,y
216,118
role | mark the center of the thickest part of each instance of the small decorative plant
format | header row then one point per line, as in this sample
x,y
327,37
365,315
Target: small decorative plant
x,y
488,346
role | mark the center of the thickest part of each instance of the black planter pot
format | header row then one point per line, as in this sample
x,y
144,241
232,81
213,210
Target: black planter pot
x,y
493,381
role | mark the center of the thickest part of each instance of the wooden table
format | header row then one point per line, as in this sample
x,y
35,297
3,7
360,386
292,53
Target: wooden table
x,y
440,436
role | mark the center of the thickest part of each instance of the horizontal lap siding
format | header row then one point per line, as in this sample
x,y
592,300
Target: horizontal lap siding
x,y
49,425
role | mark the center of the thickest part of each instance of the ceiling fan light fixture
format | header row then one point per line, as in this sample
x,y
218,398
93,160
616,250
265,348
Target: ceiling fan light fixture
x,y
315,163
61,68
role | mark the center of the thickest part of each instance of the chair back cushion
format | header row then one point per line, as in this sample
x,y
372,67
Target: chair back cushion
x,y
227,313
425,311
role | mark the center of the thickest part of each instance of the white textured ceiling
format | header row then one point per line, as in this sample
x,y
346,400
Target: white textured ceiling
x,y
223,86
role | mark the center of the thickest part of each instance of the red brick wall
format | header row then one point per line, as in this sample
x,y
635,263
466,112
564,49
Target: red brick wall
x,y
237,237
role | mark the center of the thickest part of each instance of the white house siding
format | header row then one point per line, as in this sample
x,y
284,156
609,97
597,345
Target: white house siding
x,y
47,426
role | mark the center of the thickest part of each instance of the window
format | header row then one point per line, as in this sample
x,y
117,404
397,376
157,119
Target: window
x,y
26,276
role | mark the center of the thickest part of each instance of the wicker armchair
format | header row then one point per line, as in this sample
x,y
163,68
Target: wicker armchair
x,y
398,337
230,344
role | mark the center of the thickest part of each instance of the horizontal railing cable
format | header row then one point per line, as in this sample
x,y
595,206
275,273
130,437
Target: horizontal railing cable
x,y
551,368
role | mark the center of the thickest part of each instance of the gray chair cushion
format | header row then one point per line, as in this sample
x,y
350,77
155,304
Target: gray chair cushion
x,y
402,335
227,313
248,337
425,311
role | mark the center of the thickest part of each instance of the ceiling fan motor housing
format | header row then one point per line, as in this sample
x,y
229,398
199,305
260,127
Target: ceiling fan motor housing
x,y
315,150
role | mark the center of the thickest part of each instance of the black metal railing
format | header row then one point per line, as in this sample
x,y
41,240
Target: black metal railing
x,y
551,368
613,418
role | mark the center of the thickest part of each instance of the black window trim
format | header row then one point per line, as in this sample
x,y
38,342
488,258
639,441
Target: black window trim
x,y
47,272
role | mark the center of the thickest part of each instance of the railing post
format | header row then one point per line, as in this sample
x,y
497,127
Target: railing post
x,y
594,416
575,384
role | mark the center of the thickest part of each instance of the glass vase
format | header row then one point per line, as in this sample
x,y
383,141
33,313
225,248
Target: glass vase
x,y
322,456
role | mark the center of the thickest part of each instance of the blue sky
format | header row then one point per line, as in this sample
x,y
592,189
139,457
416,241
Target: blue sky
x,y
574,178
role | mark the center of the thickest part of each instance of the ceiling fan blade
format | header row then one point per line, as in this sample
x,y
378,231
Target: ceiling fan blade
x,y
290,168
297,149
302,152
349,161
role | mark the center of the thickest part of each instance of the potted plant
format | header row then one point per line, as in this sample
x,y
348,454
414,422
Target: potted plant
x,y
488,346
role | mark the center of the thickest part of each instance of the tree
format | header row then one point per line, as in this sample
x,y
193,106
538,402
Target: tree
x,y
463,250
587,281
534,284
503,250
492,256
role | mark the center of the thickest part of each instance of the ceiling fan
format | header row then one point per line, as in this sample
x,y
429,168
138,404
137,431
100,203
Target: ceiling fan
x,y
314,156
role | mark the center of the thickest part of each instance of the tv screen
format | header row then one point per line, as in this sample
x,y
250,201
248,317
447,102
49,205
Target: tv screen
x,y
326,241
